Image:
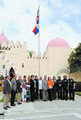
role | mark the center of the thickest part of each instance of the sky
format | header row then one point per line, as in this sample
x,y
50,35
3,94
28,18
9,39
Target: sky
x,y
58,18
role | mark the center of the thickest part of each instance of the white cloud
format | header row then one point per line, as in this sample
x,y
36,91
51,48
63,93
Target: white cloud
x,y
60,29
17,18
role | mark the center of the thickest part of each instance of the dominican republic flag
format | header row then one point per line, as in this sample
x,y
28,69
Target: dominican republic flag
x,y
36,28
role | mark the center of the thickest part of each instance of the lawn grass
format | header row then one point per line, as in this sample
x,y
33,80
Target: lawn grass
x,y
1,100
78,93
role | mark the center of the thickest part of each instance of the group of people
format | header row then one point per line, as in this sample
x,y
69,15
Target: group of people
x,y
32,88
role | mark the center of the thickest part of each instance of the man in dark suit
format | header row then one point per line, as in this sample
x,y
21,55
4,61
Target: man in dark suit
x,y
65,88
71,88
6,92
32,88
36,87
59,87
54,88
13,90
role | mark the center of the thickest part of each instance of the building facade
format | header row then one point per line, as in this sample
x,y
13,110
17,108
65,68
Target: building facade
x,y
52,62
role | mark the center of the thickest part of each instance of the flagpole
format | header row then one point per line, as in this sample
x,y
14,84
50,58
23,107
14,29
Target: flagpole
x,y
39,46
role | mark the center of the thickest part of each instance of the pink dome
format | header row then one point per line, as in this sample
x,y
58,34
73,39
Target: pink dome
x,y
3,38
58,42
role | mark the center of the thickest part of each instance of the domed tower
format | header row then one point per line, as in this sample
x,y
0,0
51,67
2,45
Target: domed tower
x,y
58,52
3,41
3,48
58,43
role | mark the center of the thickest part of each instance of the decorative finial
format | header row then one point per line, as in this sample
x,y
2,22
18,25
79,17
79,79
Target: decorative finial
x,y
39,6
3,32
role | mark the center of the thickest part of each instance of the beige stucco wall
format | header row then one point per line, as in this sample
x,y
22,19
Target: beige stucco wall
x,y
30,65
50,63
57,59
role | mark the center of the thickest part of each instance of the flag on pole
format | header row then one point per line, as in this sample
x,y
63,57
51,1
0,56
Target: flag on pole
x,y
37,17
36,28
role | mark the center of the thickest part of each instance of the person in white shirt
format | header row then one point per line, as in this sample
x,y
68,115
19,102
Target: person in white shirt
x,y
24,88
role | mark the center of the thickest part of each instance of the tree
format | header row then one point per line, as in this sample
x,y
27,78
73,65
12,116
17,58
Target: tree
x,y
1,77
74,60
30,53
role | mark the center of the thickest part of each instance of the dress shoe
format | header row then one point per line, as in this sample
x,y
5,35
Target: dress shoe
x,y
44,100
5,108
19,103
8,106
2,113
13,105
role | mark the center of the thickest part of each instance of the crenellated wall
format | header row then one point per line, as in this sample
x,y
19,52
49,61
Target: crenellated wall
x,y
19,56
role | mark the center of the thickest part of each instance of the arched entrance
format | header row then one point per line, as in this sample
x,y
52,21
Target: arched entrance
x,y
11,72
62,72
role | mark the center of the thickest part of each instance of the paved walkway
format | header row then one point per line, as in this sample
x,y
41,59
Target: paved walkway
x,y
39,110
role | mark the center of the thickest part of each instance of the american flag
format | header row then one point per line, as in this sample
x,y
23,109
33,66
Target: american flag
x,y
37,17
